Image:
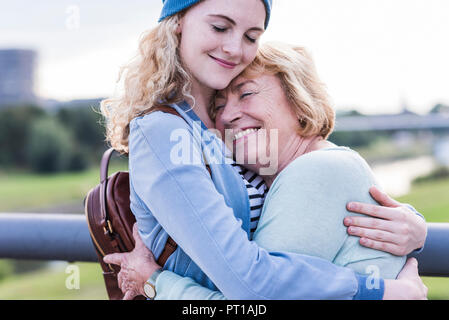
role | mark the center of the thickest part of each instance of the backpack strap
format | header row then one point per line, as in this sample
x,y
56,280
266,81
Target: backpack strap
x,y
170,245
166,109
104,166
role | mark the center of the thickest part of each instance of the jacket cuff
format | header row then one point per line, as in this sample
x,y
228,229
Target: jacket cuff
x,y
367,290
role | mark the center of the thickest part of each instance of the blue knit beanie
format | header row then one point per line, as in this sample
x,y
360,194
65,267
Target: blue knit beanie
x,y
172,7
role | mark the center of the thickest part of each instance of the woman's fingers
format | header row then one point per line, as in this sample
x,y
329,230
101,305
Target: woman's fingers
x,y
382,246
410,269
374,234
129,295
409,229
372,210
408,285
389,240
120,281
382,198
114,258
379,239
138,241
369,223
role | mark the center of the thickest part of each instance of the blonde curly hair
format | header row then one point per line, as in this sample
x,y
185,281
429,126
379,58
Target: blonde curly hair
x,y
153,78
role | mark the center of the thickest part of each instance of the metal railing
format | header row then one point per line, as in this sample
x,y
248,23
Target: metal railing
x,y
45,237
66,237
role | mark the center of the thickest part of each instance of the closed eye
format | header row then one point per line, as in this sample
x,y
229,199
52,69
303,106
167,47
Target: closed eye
x,y
246,94
252,40
218,29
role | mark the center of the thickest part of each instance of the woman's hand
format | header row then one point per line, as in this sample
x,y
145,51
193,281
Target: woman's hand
x,y
407,286
135,267
395,228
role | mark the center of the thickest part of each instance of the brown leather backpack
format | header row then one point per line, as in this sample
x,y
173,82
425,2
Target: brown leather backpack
x,y
110,220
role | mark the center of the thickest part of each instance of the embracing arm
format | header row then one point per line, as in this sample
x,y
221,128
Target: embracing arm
x,y
391,226
207,230
170,286
408,286
296,218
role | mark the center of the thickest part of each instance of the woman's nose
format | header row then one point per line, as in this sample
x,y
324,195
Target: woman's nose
x,y
233,47
230,114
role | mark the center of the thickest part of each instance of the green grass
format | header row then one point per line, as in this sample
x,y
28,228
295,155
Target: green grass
x,y
22,191
51,285
438,288
431,199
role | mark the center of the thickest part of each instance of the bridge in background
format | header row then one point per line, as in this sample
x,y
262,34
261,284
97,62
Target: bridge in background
x,y
395,122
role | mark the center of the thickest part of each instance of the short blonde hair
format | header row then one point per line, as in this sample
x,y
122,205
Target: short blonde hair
x,y
303,88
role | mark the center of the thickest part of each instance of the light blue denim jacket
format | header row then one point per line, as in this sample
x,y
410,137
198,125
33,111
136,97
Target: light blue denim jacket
x,y
209,219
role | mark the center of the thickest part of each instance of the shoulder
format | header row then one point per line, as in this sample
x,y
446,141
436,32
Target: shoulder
x,y
157,120
156,128
323,172
336,162
332,158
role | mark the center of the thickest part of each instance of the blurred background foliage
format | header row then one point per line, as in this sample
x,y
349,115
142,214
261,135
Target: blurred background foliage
x,y
40,141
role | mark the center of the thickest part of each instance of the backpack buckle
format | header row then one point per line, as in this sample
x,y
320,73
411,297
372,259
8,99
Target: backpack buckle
x,y
108,228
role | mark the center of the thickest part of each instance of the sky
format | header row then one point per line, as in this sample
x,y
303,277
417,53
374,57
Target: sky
x,y
376,56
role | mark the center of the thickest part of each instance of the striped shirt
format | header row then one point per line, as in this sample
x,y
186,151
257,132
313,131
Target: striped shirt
x,y
257,190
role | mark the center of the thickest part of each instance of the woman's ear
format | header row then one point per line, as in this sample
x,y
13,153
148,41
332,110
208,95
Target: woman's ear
x,y
179,28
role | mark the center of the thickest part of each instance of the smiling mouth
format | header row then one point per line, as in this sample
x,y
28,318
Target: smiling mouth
x,y
245,133
224,63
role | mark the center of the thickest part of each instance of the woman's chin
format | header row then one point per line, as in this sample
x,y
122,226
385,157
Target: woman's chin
x,y
221,79
219,84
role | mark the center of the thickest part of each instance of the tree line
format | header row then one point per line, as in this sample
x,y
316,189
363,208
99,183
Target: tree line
x,y
41,141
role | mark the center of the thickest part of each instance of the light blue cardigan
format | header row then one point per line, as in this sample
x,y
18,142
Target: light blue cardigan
x,y
209,219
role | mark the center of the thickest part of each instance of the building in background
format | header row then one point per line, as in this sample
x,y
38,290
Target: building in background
x,y
17,76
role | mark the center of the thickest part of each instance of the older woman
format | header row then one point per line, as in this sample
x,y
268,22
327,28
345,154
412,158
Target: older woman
x,y
279,111
281,93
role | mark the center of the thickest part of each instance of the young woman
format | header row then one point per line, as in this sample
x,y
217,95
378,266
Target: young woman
x,y
200,47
